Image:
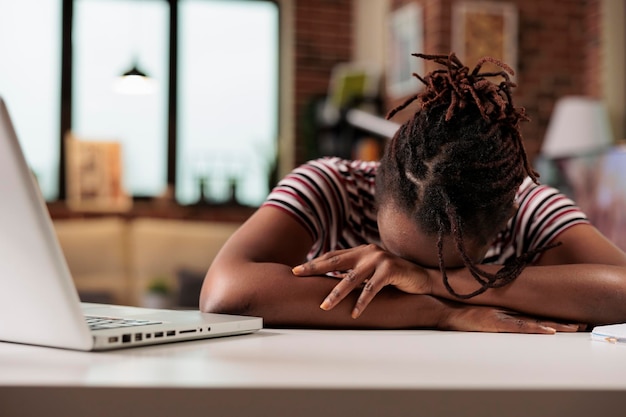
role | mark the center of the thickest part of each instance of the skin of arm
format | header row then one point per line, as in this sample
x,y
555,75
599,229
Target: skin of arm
x,y
581,281
252,275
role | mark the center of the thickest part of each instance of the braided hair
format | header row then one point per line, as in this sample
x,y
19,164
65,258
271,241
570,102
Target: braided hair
x,y
457,164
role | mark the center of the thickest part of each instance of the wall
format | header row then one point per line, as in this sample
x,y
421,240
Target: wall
x,y
559,44
558,53
323,38
614,63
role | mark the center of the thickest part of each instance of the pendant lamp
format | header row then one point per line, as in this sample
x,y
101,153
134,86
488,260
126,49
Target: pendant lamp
x,y
134,82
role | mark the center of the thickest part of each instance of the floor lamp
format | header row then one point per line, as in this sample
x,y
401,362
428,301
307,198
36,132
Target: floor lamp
x,y
578,133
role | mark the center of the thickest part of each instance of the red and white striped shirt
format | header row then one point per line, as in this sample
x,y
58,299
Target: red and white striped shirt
x,y
333,199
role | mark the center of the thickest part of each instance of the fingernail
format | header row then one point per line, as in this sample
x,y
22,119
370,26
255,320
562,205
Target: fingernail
x,y
549,329
355,313
297,269
325,305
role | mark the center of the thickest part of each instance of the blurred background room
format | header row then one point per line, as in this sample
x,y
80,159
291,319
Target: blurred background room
x,y
155,127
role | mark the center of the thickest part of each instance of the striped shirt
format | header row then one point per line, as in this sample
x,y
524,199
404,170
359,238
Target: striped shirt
x,y
333,199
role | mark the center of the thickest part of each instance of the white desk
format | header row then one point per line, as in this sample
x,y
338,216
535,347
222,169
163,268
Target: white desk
x,y
324,373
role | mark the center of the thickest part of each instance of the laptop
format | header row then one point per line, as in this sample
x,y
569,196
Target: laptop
x,y
39,303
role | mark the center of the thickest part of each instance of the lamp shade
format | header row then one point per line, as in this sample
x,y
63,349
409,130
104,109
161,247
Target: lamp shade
x,y
134,82
579,126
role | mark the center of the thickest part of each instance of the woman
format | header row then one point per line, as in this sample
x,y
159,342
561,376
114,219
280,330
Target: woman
x,y
451,230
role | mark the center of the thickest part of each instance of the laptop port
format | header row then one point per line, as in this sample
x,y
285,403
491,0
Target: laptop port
x,y
126,338
187,331
114,339
138,337
171,332
158,334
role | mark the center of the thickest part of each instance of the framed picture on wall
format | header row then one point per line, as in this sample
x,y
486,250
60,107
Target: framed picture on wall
x,y
485,28
94,176
406,37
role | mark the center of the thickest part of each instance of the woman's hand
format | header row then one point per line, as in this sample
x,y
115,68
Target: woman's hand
x,y
498,320
369,267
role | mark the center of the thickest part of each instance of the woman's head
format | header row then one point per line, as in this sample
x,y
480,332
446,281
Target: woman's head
x,y
455,166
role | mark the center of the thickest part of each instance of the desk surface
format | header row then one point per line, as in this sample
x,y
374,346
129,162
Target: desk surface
x,y
443,372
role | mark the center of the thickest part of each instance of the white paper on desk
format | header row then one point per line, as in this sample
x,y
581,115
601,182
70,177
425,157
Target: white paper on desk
x,y
612,333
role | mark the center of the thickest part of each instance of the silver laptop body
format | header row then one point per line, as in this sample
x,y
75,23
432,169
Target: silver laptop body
x,y
39,303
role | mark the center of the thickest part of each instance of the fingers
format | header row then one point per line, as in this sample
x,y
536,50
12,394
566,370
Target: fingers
x,y
340,260
361,266
512,323
365,264
351,280
525,325
561,327
370,289
331,262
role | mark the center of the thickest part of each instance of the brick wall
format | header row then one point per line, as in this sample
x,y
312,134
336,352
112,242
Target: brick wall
x,y
558,55
558,52
323,31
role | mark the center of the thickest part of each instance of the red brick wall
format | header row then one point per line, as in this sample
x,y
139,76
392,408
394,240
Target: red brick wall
x,y
558,52
323,38
558,47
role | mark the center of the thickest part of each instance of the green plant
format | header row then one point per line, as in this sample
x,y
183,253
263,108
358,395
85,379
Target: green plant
x,y
159,285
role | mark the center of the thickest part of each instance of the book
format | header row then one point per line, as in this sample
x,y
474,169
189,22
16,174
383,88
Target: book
x,y
611,333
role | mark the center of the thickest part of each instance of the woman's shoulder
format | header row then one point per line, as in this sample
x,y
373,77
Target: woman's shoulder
x,y
342,165
544,212
534,193
339,170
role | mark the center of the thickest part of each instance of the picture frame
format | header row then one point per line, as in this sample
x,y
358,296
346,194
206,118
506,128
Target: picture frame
x,y
406,37
94,176
485,28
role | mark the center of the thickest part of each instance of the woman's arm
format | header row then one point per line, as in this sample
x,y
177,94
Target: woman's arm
x,y
252,275
583,280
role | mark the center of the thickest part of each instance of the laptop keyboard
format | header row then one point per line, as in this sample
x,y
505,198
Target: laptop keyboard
x,y
101,323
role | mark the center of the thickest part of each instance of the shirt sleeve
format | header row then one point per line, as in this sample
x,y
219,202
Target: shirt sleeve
x,y
312,194
544,213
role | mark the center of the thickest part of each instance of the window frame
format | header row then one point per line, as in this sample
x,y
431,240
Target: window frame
x,y
67,53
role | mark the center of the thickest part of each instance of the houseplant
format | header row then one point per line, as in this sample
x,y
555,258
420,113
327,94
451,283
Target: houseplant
x,y
158,293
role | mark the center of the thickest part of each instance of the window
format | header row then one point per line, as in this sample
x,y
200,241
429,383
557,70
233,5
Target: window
x,y
110,37
212,119
30,74
227,99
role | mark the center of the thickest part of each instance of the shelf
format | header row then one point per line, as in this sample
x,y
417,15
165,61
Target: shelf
x,y
206,212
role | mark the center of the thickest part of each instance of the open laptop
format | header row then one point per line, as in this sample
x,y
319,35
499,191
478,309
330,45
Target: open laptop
x,y
39,303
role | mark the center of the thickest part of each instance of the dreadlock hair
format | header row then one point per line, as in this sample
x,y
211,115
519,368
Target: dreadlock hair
x,y
457,164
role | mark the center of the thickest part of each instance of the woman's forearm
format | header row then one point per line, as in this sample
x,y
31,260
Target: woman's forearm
x,y
587,293
271,291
